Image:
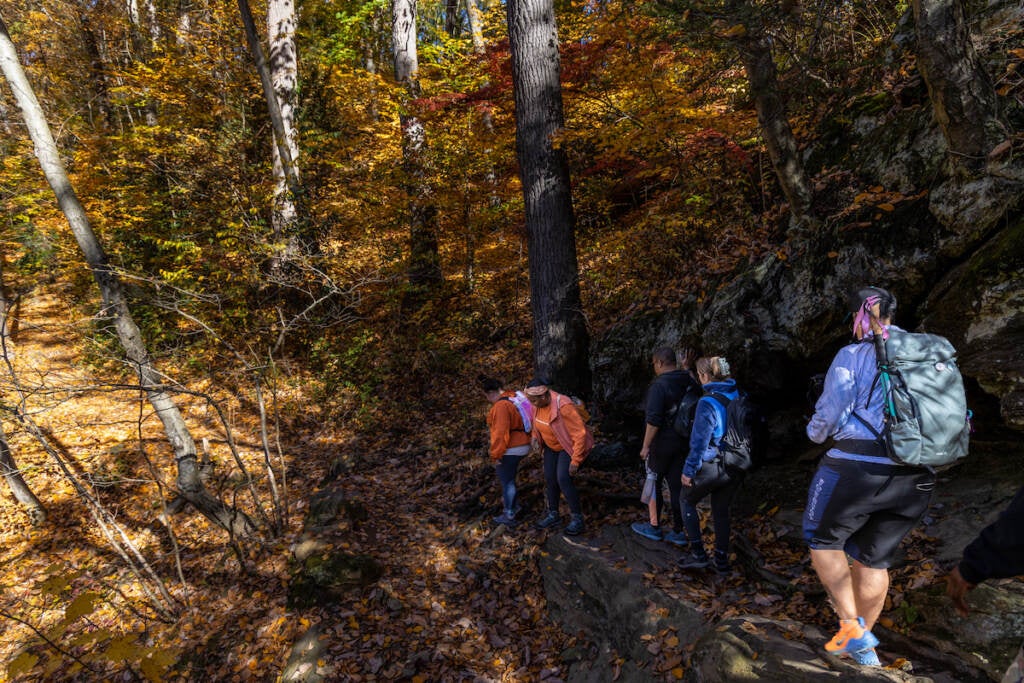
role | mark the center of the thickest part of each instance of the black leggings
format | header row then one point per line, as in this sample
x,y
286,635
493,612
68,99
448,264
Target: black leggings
x,y
558,480
713,480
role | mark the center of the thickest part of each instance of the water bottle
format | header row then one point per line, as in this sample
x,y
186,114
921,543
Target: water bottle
x,y
650,483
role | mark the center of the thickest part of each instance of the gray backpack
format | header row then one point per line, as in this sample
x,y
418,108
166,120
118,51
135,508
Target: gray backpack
x,y
926,417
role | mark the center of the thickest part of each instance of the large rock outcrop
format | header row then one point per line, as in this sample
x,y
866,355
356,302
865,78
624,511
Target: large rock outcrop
x,y
951,254
979,305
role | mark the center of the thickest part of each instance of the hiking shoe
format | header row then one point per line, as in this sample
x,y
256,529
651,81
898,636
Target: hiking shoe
x,y
721,563
677,538
866,657
549,520
693,561
647,530
507,518
575,526
852,637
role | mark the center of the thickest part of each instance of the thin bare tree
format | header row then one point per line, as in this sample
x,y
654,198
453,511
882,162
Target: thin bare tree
x,y
115,304
424,269
8,467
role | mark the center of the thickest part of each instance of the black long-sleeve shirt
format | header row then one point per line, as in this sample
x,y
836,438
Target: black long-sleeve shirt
x,y
998,551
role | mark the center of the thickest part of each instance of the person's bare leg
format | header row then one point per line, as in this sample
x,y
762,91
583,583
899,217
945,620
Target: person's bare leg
x,y
652,511
870,587
833,571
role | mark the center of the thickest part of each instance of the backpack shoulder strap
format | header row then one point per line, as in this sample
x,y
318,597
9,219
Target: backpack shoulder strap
x,y
722,400
864,422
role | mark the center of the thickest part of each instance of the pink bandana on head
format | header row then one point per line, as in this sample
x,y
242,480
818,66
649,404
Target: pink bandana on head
x,y
863,319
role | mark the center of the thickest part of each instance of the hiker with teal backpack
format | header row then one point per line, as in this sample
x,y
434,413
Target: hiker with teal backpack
x,y
508,423
719,456
894,404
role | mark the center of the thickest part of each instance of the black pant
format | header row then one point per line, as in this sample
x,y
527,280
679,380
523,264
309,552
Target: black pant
x,y
713,479
675,491
557,480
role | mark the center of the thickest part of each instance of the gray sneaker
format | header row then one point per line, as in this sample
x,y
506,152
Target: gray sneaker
x,y
506,518
693,561
549,520
575,526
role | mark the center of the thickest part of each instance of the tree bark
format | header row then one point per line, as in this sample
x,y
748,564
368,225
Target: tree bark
x,y
560,338
424,268
12,475
8,467
115,304
370,61
143,41
476,26
281,22
762,77
452,20
98,72
960,90
184,23
273,106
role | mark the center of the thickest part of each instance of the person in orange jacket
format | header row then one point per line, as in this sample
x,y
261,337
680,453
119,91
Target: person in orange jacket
x,y
508,421
566,441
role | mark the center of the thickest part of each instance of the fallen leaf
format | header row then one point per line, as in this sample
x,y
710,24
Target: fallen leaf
x,y
1000,149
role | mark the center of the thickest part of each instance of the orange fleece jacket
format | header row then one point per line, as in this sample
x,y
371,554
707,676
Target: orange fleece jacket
x,y
506,425
568,421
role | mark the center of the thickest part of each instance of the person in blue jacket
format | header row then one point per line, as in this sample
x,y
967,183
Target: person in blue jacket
x,y
704,473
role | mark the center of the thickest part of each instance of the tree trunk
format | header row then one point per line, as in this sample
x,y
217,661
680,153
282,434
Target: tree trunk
x,y
369,52
424,268
959,88
762,77
560,338
273,106
12,475
184,27
98,71
476,26
143,41
281,22
153,20
115,304
452,20
475,18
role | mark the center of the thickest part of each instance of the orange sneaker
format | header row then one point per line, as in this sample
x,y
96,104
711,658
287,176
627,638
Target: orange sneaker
x,y
852,637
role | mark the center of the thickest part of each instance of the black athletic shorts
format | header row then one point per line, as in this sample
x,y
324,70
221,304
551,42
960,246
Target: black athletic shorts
x,y
865,508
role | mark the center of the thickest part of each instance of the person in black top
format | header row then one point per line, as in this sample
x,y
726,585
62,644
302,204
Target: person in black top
x,y
663,449
997,553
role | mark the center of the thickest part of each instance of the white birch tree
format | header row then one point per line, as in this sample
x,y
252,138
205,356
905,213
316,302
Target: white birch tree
x,y
115,304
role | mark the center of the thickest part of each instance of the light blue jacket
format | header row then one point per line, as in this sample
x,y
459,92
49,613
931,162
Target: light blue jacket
x,y
850,385
708,426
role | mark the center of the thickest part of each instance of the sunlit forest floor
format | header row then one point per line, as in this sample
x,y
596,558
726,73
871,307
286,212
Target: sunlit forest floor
x,y
458,598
